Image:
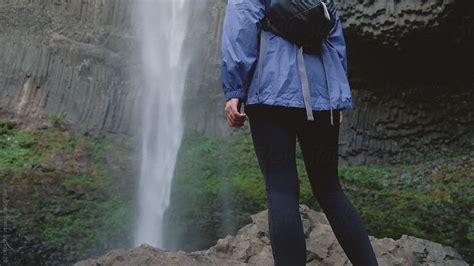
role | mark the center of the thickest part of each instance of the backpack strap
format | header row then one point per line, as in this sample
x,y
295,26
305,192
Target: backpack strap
x,y
261,57
305,85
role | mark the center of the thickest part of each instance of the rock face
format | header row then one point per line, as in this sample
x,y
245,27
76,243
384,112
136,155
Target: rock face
x,y
69,58
251,246
410,68
390,22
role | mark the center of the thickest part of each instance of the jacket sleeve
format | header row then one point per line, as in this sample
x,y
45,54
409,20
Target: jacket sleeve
x,y
337,40
240,46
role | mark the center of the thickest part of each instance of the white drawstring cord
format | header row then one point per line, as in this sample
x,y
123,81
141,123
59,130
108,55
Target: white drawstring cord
x,y
332,120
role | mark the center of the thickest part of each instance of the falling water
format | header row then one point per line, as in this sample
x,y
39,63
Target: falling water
x,y
161,27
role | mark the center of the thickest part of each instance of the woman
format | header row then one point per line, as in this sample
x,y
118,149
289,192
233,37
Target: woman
x,y
262,71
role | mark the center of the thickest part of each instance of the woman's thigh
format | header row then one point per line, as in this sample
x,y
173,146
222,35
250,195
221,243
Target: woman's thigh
x,y
274,138
319,142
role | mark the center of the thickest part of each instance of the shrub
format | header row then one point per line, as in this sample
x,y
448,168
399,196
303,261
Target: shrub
x,y
55,119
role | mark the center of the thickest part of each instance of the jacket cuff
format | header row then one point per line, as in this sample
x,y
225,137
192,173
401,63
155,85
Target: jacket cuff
x,y
235,94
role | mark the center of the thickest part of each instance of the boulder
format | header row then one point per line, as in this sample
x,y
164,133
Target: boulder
x,y
251,246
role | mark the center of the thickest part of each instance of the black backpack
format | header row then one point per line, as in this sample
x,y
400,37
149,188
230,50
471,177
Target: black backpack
x,y
304,22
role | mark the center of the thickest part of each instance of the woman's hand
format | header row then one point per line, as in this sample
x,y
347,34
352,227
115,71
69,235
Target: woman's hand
x,y
231,111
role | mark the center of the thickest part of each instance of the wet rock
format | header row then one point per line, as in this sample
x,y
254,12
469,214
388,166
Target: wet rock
x,y
65,209
43,126
45,167
251,246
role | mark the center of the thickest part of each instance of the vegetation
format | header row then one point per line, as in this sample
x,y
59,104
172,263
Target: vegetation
x,y
59,186
65,192
422,200
218,184
55,119
15,147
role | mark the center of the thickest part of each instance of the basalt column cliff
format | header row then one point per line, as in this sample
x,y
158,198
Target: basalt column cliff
x,y
410,67
69,58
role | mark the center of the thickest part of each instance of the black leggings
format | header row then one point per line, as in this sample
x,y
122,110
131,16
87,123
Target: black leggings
x,y
274,130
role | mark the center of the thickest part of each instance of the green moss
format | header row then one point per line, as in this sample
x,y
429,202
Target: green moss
x,y
98,149
6,126
83,180
55,119
400,199
95,224
72,206
16,150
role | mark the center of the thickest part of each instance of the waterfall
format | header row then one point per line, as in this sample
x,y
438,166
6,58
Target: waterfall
x,y
161,28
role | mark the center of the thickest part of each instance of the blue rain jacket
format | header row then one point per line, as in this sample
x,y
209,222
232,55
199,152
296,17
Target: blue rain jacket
x,y
280,83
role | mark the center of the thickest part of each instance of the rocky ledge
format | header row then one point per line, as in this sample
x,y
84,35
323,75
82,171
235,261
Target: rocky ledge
x,y
251,246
